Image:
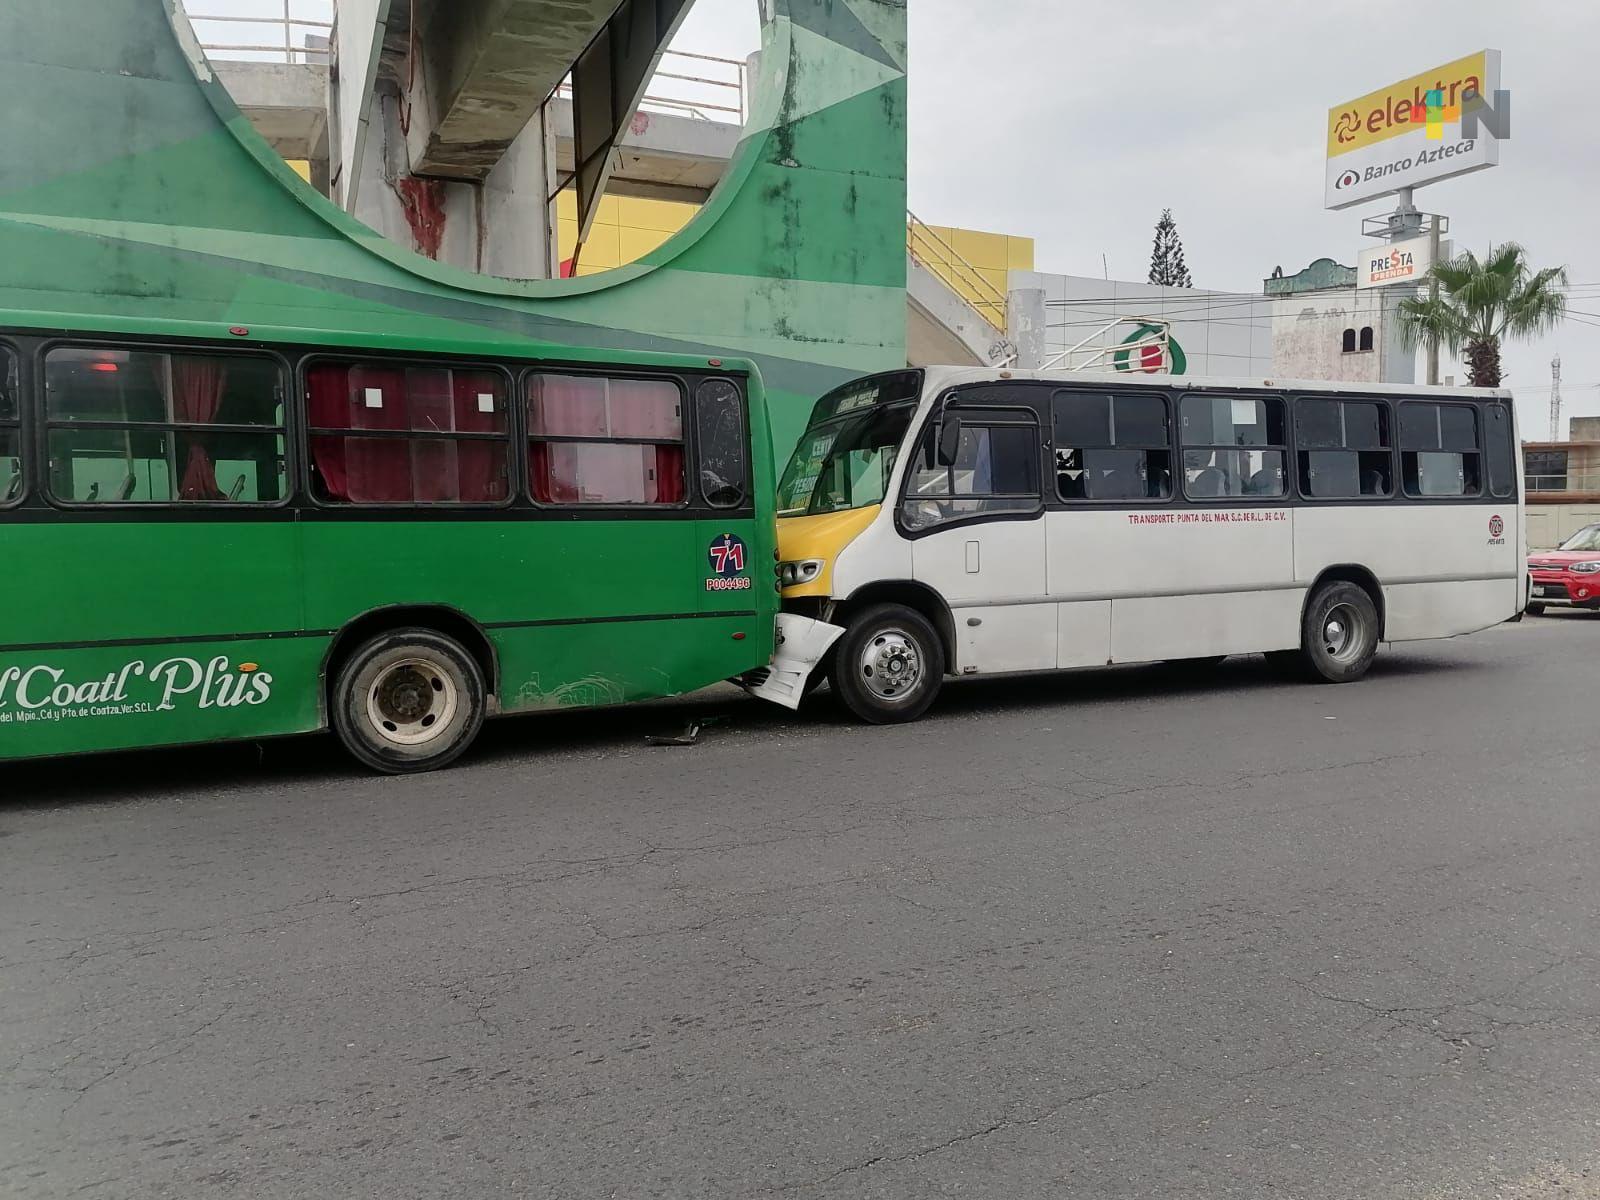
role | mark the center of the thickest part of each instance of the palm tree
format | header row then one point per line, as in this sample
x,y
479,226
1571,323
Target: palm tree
x,y
1481,301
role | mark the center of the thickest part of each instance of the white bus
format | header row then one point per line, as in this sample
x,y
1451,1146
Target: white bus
x,y
954,522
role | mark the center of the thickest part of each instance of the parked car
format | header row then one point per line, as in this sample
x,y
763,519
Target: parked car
x,y
1569,575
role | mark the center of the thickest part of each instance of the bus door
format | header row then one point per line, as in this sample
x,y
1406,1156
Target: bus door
x,y
973,511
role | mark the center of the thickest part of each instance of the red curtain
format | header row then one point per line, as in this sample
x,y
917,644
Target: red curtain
x,y
379,469
421,401
670,487
551,485
646,408
329,399
480,407
430,463
603,471
197,385
567,406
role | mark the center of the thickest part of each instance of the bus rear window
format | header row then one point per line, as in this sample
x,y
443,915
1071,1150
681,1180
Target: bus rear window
x,y
720,433
1501,450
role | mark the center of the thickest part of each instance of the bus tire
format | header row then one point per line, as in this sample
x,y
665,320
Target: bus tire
x,y
1535,609
1339,633
409,700
889,665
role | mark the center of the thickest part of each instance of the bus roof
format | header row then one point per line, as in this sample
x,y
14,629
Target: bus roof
x,y
453,340
941,377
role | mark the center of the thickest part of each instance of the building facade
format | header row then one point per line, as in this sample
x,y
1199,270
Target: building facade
x,y
1563,484
1077,322
1324,327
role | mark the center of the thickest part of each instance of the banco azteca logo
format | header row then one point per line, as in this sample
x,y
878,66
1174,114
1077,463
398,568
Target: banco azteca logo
x,y
1346,179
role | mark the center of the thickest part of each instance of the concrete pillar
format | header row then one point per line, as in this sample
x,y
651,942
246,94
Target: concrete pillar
x,y
1397,361
518,217
358,42
369,193
504,226
1026,321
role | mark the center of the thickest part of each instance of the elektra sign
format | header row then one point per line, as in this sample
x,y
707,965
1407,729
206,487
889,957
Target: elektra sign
x,y
1444,122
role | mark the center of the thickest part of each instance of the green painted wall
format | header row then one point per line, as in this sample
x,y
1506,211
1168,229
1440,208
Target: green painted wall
x,y
131,187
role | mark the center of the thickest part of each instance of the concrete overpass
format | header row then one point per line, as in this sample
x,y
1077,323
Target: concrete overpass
x,y
454,133
288,104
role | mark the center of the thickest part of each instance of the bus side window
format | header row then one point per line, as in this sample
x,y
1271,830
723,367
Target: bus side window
x,y
1345,448
11,480
995,472
1439,450
720,425
599,440
127,426
1234,446
398,433
1112,446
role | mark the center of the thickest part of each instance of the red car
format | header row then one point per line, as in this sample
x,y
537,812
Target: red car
x,y
1570,575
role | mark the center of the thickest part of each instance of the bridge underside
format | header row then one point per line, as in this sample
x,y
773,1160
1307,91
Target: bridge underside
x,y
481,70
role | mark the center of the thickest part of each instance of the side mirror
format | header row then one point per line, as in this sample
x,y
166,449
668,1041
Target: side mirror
x,y
949,440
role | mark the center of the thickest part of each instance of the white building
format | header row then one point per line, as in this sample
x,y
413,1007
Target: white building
x,y
1209,333
1324,327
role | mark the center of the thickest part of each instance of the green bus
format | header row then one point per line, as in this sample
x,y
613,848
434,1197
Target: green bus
x,y
215,533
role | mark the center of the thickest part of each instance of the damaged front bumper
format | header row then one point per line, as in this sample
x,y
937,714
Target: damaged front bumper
x,y
802,643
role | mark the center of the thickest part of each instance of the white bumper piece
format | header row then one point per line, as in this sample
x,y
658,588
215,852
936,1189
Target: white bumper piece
x,y
801,644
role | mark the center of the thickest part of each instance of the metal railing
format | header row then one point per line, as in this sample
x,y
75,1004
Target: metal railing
x,y
1564,483
1099,350
934,251
702,86
702,95
286,38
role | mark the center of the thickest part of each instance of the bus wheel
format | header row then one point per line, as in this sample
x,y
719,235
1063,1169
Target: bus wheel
x,y
1340,634
409,700
889,665
1535,609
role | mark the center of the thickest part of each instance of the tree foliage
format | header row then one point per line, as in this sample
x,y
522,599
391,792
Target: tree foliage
x,y
1482,302
1166,258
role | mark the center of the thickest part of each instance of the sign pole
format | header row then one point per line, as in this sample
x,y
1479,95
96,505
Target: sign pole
x,y
1406,223
1433,296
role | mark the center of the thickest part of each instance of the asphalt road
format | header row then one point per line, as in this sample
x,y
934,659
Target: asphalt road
x,y
1111,934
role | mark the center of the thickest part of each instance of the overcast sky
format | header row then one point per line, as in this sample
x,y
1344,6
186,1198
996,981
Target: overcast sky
x,y
1076,121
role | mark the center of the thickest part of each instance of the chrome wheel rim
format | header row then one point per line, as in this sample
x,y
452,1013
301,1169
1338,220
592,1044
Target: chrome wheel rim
x,y
891,665
1341,633
412,702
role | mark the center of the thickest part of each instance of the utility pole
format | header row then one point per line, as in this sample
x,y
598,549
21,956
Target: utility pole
x,y
1555,398
1433,296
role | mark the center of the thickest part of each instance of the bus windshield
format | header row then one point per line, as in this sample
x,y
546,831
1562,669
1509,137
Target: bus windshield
x,y
848,451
